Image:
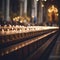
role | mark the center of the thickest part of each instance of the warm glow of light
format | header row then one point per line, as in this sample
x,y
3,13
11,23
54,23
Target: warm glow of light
x,y
18,17
57,14
21,21
42,5
51,9
32,16
45,0
37,0
55,10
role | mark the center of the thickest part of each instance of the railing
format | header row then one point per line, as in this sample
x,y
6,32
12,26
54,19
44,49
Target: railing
x,y
24,45
6,30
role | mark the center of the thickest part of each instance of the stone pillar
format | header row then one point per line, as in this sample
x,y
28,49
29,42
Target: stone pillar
x,y
33,11
41,20
40,14
5,9
35,1
25,7
35,7
21,7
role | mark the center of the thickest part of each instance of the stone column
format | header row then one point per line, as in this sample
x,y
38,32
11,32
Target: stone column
x,y
3,4
33,11
40,14
5,9
41,20
35,16
25,7
35,3
21,7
